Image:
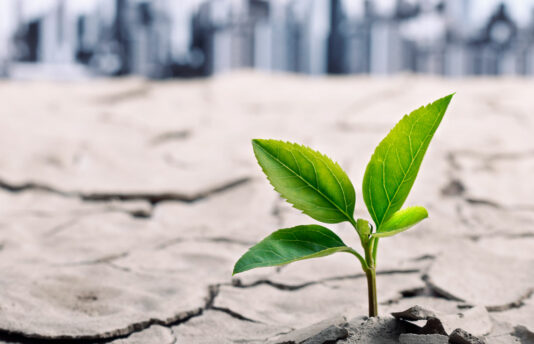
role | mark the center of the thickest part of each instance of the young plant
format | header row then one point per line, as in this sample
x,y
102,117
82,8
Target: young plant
x,y
317,186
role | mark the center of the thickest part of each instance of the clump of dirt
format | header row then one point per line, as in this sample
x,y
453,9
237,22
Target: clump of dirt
x,y
415,325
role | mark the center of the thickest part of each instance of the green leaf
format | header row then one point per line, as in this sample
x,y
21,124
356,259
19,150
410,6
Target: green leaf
x,y
395,163
401,221
307,179
289,245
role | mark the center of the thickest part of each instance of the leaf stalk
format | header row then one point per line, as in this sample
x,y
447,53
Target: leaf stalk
x,y
362,260
375,249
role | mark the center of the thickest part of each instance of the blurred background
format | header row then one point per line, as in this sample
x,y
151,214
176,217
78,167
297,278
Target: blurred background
x,y
59,39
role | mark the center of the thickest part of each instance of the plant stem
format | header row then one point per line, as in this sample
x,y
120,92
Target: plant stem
x,y
371,289
369,245
370,272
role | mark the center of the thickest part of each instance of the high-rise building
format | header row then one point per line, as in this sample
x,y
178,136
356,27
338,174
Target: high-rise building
x,y
122,37
337,39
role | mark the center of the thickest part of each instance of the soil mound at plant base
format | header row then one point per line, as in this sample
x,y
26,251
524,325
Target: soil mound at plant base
x,y
382,330
415,325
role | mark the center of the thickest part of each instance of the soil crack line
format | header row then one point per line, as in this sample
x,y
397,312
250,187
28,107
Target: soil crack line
x,y
214,291
223,240
233,314
512,305
289,287
102,260
152,198
438,292
107,337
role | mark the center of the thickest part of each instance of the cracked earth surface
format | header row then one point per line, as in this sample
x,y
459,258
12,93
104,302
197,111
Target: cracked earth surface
x,y
125,203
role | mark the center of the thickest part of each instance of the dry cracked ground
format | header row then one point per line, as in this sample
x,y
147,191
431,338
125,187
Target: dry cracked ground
x,y
125,203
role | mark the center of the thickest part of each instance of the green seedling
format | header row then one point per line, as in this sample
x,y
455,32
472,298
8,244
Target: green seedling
x,y
317,186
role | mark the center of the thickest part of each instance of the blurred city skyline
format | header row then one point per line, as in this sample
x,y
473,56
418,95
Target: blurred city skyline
x,y
163,38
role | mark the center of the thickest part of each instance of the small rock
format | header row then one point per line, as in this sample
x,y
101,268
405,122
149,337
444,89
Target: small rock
x,y
460,336
410,338
475,319
414,313
523,334
433,326
418,313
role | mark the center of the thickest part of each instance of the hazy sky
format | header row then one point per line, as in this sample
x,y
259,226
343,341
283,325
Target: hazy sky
x,y
481,9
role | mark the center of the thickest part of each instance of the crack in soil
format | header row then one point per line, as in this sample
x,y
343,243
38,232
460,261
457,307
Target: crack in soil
x,y
224,240
483,202
512,305
175,339
16,188
436,291
429,290
452,189
62,226
486,159
107,337
155,198
424,257
455,187
59,228
170,136
35,338
118,267
102,260
511,236
152,198
237,283
233,314
135,213
440,292
214,291
407,294
277,213
492,204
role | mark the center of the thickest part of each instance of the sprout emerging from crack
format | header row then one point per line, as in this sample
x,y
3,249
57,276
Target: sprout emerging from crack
x,y
317,186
